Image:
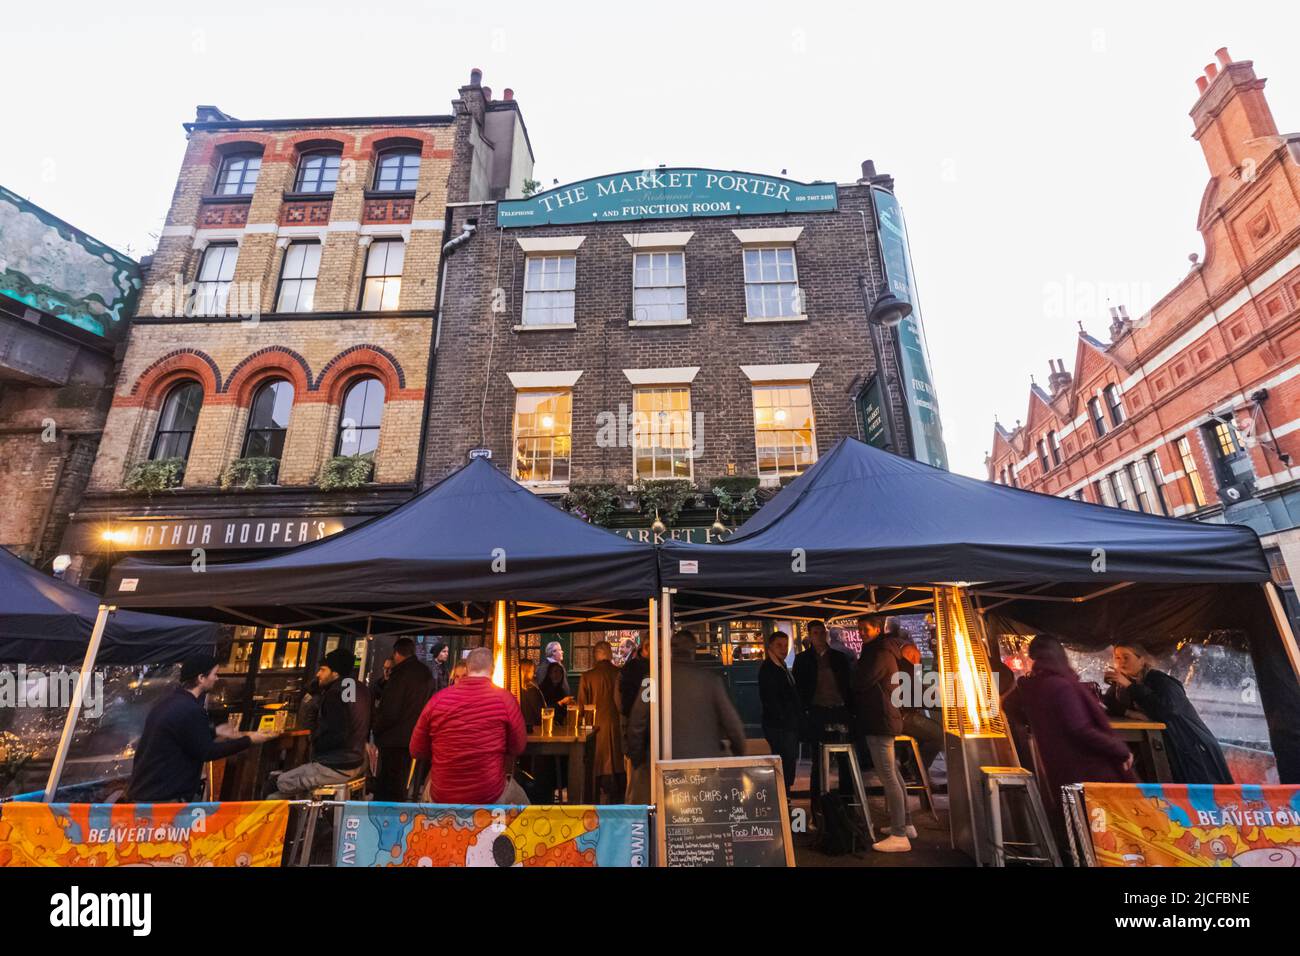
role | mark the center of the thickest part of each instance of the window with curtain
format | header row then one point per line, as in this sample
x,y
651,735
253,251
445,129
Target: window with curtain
x,y
176,422
382,288
1097,417
360,418
1115,403
1191,472
298,278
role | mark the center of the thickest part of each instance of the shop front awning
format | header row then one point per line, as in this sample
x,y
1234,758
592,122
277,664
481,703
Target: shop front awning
x,y
476,536
45,621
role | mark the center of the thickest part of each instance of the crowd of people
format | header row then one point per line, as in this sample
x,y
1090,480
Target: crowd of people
x,y
449,735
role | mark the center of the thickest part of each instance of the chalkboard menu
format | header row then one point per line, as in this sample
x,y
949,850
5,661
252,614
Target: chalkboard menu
x,y
728,811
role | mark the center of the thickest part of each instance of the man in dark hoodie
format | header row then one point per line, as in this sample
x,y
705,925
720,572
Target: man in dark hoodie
x,y
342,726
407,690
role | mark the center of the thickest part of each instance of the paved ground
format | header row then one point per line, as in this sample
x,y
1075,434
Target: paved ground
x,y
931,848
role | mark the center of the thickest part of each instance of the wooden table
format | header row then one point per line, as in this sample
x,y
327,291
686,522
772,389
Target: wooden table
x,y
1147,739
580,748
243,776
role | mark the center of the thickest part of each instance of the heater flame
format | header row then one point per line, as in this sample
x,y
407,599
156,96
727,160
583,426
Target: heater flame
x,y
499,647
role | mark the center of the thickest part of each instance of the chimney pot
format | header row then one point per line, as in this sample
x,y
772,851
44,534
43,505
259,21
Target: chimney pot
x,y
508,94
487,93
1211,70
1222,54
475,77
868,168
1202,84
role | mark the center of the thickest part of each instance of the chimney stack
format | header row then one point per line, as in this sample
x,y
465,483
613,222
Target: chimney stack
x,y
1231,118
1058,379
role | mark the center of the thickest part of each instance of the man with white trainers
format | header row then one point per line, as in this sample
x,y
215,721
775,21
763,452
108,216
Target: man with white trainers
x,y
880,721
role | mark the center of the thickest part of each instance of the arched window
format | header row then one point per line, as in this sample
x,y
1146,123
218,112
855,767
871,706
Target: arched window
x,y
398,170
318,172
360,416
180,413
268,420
238,174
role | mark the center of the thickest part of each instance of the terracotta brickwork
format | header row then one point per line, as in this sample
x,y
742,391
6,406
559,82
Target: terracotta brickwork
x,y
1207,381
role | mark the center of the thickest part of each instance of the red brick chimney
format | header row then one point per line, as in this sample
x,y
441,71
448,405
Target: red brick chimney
x,y
1232,120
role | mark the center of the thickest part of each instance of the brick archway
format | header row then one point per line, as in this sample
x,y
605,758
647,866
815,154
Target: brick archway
x,y
353,363
159,377
273,361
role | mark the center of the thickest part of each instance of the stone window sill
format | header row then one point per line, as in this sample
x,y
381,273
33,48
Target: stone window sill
x,y
753,320
549,327
652,324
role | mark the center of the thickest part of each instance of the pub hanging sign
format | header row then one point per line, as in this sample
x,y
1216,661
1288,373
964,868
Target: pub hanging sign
x,y
667,194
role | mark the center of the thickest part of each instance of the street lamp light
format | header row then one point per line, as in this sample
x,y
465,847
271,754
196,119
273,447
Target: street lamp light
x,y
889,310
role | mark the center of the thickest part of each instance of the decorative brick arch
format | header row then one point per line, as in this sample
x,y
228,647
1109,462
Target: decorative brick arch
x,y
352,363
376,142
159,377
220,144
274,361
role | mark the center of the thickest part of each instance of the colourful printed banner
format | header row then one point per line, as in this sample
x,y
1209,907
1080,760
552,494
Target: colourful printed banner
x,y
1193,824
143,834
409,834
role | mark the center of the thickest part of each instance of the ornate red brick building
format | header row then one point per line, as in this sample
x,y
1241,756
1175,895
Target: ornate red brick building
x,y
1193,409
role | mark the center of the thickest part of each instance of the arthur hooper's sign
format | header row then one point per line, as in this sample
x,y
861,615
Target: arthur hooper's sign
x,y
182,533
668,194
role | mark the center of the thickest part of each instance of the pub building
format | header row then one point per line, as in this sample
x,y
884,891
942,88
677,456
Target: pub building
x,y
272,388
659,351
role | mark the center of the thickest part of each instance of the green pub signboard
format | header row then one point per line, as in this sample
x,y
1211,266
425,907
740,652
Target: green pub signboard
x,y
667,194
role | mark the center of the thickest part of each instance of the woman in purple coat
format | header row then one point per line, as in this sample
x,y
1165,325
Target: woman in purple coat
x,y
1075,741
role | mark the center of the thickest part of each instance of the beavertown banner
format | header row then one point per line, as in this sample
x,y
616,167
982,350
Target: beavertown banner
x,y
1193,824
143,834
406,834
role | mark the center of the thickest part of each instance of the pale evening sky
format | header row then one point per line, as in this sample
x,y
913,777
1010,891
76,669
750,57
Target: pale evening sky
x,y
1042,152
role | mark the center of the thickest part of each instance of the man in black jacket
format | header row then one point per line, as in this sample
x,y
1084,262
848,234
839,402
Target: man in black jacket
x,y
782,709
407,689
822,677
178,740
342,727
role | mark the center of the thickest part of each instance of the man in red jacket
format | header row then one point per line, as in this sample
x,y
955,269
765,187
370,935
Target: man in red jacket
x,y
470,733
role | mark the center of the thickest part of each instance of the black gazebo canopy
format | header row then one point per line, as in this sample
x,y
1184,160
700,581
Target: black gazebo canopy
x,y
476,536
44,621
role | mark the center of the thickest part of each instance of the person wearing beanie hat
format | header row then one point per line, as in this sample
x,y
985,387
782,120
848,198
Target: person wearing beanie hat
x,y
339,732
178,740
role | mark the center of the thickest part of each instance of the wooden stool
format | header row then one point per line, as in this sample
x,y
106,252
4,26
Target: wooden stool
x,y
923,787
1040,850
307,822
855,772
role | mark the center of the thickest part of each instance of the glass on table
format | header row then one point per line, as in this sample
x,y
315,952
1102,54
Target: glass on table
x,y
571,721
548,721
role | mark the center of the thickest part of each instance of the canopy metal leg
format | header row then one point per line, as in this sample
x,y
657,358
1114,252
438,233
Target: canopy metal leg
x,y
666,705
78,695
1283,626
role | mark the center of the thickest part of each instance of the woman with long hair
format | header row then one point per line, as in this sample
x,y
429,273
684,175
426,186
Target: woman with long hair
x,y
1071,732
1137,685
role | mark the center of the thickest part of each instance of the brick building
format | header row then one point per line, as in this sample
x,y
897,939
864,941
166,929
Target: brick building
x,y
273,385
1192,410
65,302
611,340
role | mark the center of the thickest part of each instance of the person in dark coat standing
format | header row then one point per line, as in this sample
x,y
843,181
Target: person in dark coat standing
x,y
407,690
782,710
822,676
705,721
875,681
178,740
1073,737
599,688
439,656
632,678
1136,684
